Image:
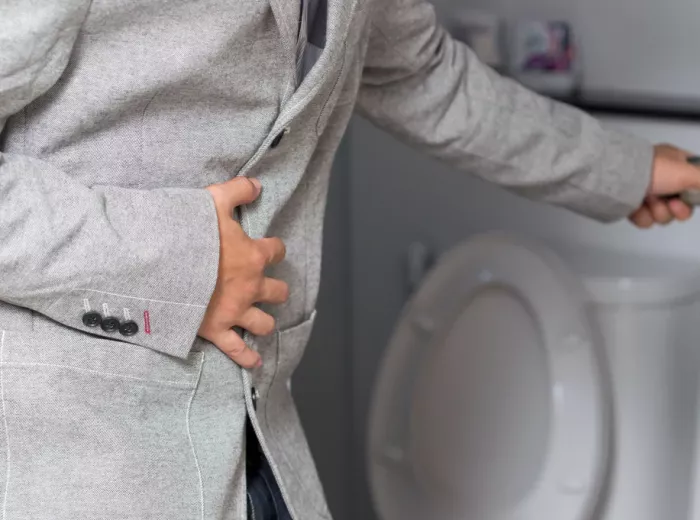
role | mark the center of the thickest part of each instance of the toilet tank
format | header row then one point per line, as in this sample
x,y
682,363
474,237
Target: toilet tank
x,y
647,310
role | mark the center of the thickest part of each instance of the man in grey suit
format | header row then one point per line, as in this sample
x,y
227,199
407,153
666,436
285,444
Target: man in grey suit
x,y
163,178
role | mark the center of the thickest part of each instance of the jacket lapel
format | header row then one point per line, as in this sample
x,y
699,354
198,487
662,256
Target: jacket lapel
x,y
327,67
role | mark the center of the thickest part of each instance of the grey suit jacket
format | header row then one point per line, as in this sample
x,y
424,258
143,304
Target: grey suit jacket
x,y
116,115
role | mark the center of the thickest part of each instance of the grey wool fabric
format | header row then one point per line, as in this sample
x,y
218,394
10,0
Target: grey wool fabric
x,y
115,115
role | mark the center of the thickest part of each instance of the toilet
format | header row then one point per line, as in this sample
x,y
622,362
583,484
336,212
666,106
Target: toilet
x,y
532,382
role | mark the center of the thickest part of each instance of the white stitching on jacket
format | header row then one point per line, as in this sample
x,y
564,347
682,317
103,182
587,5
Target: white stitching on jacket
x,y
143,299
7,432
189,436
91,371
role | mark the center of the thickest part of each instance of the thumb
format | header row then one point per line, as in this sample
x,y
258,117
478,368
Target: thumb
x,y
675,171
693,161
235,192
688,177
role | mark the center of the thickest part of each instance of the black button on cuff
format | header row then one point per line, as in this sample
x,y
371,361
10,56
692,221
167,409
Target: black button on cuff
x,y
92,319
128,328
110,324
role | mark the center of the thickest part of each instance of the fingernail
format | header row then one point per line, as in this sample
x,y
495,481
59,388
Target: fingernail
x,y
258,364
256,183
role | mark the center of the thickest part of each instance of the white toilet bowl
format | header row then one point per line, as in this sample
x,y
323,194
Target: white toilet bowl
x,y
522,384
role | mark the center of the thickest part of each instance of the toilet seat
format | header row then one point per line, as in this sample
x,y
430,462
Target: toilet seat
x,y
491,400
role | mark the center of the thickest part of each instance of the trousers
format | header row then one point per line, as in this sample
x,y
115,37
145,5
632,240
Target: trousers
x,y
264,496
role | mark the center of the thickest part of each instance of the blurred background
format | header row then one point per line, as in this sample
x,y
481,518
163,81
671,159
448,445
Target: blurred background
x,y
635,68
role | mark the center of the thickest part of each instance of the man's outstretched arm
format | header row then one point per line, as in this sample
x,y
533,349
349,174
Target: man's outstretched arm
x,y
433,93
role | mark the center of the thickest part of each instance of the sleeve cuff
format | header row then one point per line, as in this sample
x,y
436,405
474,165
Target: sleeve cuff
x,y
159,305
623,176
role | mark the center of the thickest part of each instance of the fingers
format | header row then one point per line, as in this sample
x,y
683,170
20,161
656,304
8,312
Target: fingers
x,y
660,211
689,176
642,218
241,281
273,250
235,348
672,171
243,190
273,291
235,192
257,322
680,210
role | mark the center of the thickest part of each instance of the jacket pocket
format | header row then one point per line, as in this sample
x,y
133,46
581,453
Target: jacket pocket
x,y
96,429
291,344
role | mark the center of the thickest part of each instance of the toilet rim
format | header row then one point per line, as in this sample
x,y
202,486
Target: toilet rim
x,y
575,465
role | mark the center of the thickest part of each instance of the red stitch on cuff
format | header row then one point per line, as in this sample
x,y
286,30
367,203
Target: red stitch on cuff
x,y
147,322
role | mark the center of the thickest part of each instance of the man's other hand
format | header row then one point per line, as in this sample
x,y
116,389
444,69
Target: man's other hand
x,y
672,174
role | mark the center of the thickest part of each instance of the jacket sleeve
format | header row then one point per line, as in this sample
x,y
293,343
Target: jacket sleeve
x,y
150,256
432,92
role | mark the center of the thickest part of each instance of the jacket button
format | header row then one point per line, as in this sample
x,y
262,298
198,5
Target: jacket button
x,y
110,324
255,395
128,328
92,319
278,139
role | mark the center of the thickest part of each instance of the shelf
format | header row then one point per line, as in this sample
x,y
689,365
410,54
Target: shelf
x,y
638,106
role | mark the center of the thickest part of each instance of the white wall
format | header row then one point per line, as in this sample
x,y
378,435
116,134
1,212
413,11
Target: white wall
x,y
645,45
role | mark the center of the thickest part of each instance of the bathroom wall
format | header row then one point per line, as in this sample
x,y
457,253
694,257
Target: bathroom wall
x,y
641,45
